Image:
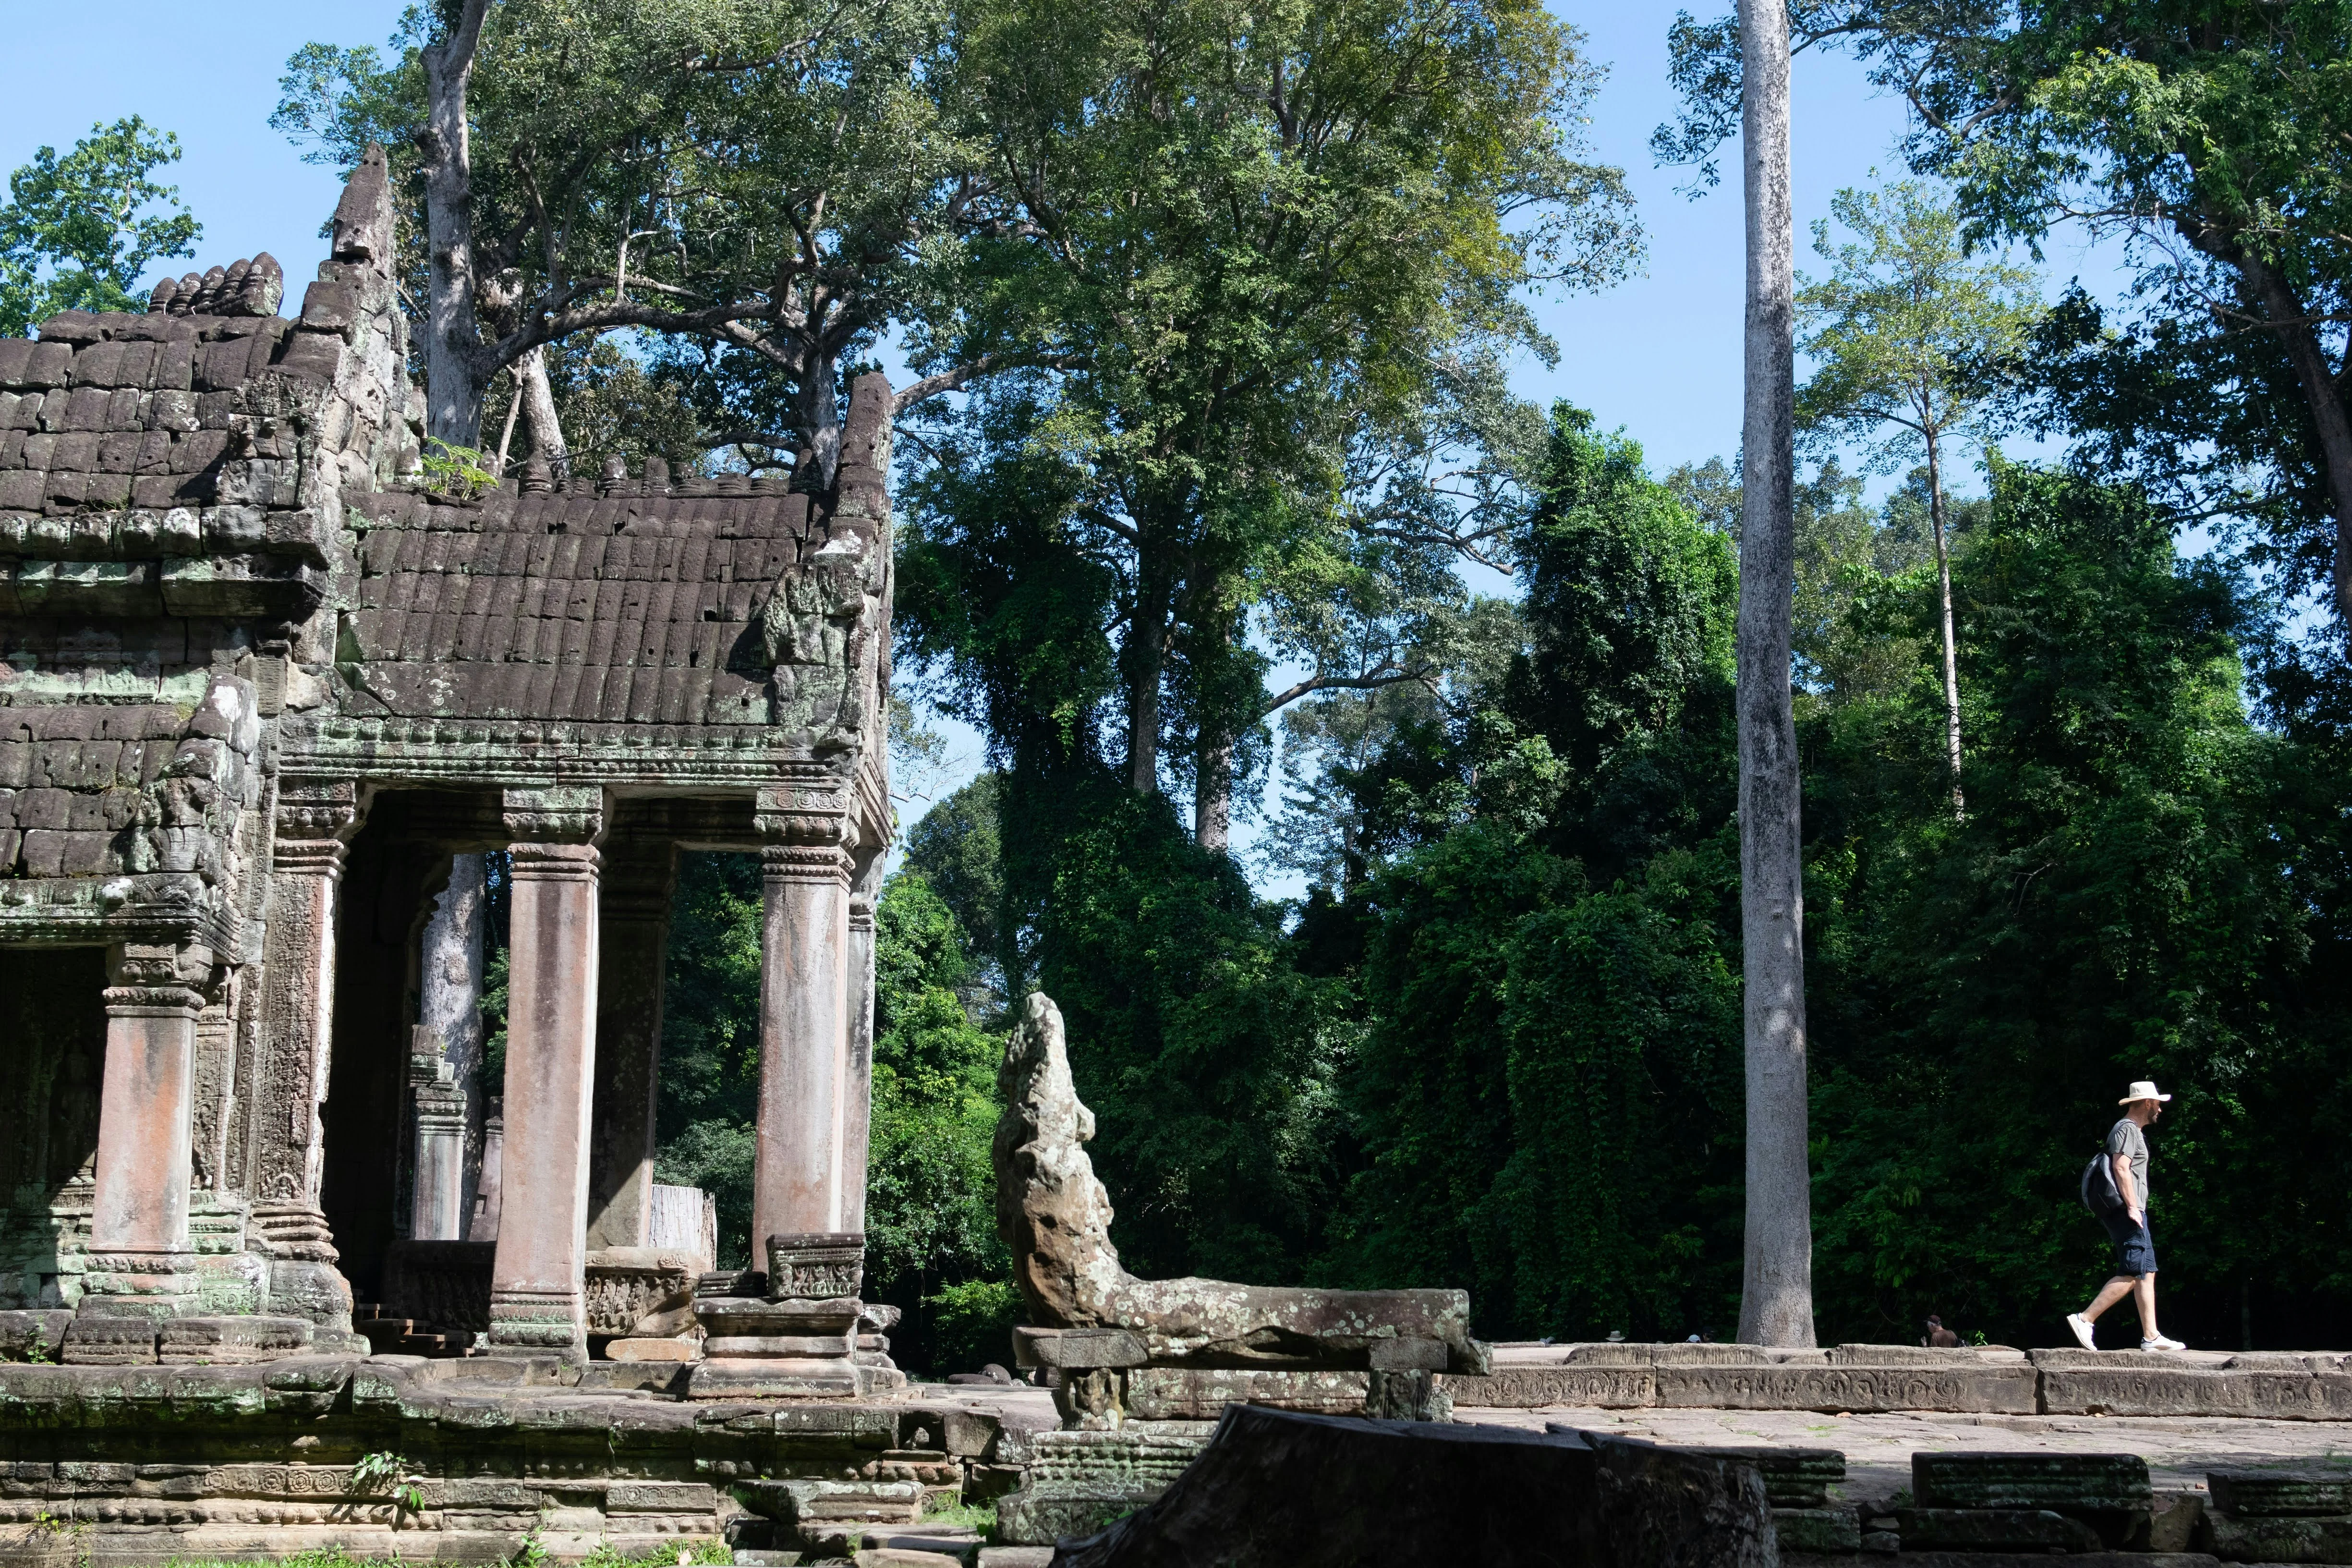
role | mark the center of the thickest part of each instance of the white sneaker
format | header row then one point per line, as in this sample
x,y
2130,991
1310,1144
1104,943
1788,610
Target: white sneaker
x,y
2082,1331
2161,1343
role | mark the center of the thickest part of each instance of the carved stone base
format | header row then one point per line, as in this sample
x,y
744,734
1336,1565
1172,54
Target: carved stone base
x,y
759,1348
539,1320
304,1281
151,1285
233,1341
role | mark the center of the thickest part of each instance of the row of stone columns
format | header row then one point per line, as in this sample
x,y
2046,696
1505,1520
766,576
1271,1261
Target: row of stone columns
x,y
815,1074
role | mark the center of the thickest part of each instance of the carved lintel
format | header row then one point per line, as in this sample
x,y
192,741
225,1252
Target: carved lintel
x,y
557,814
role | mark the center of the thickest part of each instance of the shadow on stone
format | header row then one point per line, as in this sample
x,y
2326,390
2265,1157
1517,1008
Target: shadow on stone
x,y
1278,1486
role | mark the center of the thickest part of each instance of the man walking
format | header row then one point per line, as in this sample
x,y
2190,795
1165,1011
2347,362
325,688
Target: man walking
x,y
2128,1226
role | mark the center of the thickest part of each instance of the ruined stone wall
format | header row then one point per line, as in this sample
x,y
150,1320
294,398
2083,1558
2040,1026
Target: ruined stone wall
x,y
172,487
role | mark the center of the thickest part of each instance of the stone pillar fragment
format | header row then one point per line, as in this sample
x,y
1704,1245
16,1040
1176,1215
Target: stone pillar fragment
x,y
140,1263
537,1280
798,1170
436,1207
449,1003
285,1138
857,1104
636,882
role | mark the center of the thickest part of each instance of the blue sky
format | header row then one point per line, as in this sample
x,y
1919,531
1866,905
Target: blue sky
x,y
1658,355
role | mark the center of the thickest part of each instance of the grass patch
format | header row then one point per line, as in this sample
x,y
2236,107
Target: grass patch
x,y
699,1554
976,1516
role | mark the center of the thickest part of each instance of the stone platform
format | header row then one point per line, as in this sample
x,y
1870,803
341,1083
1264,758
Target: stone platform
x,y
149,1464
1857,1379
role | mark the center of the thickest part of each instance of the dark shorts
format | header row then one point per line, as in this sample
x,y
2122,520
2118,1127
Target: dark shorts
x,y
2134,1247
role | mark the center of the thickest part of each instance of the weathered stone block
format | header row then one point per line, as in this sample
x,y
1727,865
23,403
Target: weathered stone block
x,y
748,1378
94,1340
1817,1529
1993,1529
1793,1477
2268,1494
1600,1384
232,1340
33,1336
2009,1390
2069,1482
1408,1355
1078,1349
1201,1394
2128,1390
637,1350
2306,1540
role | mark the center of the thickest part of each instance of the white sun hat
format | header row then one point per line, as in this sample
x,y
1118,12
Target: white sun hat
x,y
2142,1090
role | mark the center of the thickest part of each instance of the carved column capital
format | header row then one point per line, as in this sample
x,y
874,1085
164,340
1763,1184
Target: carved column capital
x,y
144,978
312,815
861,913
555,814
808,831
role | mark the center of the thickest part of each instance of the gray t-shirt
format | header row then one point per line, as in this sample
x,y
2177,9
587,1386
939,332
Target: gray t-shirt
x,y
2125,1139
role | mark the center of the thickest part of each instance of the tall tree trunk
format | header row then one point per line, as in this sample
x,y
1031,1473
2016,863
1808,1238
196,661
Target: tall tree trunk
x,y
539,419
1146,657
454,379
1775,1304
2291,322
1951,646
1212,792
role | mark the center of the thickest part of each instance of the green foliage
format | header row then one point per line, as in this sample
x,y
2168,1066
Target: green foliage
x,y
1908,330
931,1247
387,1473
457,471
2141,888
931,1220
708,1095
1629,600
79,229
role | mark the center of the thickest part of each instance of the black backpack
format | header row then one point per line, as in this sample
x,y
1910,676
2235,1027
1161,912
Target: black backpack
x,y
2099,1192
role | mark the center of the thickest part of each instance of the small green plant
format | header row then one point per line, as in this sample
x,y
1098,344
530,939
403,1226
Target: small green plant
x,y
976,1516
384,1472
528,1552
459,472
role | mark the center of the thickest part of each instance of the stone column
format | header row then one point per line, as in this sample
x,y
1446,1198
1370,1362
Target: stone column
x,y
857,1103
449,1003
286,1144
798,1175
436,1207
140,1264
536,1283
634,914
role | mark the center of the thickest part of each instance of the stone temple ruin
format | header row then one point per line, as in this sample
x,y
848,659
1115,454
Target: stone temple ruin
x,y
259,682
267,683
